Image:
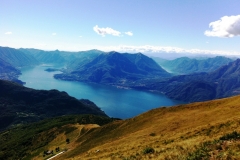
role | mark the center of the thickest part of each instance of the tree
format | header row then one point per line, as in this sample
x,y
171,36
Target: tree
x,y
68,140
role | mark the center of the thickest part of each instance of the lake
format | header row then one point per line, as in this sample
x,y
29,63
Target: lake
x,y
115,102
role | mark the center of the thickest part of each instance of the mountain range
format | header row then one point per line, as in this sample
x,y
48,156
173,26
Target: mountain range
x,y
199,79
60,58
11,60
16,57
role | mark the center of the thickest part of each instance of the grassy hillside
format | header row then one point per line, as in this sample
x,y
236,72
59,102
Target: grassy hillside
x,y
203,130
28,141
192,131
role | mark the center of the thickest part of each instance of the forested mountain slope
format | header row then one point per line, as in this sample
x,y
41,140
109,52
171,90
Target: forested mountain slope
x,y
21,105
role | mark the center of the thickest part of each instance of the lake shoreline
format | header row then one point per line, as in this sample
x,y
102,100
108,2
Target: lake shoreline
x,y
115,101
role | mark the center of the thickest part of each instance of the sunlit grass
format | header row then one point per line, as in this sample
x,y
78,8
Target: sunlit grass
x,y
173,132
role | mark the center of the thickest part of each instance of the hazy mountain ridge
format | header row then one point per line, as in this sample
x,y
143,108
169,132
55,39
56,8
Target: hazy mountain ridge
x,y
115,68
20,105
17,58
12,59
60,57
185,65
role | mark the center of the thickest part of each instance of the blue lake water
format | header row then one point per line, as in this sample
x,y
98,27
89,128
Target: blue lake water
x,y
115,102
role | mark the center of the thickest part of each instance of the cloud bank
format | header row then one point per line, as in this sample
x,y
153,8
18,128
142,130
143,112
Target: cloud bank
x,y
161,49
227,26
104,31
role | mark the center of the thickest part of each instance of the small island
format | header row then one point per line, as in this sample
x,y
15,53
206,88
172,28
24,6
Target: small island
x,y
51,70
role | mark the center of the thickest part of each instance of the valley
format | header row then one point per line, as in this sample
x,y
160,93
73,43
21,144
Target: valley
x,y
119,80
112,105
121,103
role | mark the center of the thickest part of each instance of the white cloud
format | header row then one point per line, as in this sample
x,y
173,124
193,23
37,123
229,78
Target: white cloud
x,y
8,33
104,31
162,49
129,33
227,26
80,36
54,34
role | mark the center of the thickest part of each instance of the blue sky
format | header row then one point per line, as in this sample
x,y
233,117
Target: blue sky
x,y
122,25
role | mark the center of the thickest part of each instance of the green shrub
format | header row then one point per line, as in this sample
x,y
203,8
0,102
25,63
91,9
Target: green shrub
x,y
152,134
231,136
148,150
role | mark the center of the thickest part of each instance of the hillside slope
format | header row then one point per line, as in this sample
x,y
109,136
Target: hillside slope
x,y
21,105
201,130
8,72
27,141
172,133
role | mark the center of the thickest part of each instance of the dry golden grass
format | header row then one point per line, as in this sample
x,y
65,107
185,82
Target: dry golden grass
x,y
172,132
60,140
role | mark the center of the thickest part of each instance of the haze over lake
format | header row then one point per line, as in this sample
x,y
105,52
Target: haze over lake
x,y
115,102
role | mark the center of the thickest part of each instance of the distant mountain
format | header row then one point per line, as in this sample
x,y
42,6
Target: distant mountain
x,y
48,57
223,82
16,58
227,79
11,59
21,105
185,65
115,68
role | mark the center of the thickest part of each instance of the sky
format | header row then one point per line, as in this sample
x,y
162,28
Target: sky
x,y
147,26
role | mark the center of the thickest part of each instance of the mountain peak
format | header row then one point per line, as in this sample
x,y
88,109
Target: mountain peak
x,y
114,67
113,52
